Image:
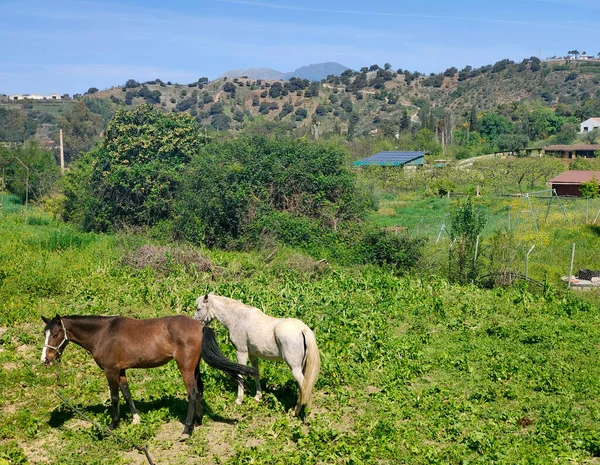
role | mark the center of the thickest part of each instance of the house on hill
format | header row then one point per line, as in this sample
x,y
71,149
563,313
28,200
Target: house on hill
x,y
569,182
573,151
394,159
35,97
589,125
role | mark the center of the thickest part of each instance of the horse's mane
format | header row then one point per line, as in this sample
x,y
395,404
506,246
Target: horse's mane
x,y
82,318
237,304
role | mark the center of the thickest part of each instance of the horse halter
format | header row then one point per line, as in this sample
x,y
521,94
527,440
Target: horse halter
x,y
63,342
206,318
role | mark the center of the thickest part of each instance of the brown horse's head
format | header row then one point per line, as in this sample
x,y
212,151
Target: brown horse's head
x,y
56,340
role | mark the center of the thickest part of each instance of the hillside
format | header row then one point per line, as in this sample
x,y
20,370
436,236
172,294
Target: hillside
x,y
362,102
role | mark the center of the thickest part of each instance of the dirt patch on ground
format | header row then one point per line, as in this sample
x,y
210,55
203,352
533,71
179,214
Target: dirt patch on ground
x,y
24,349
213,439
37,451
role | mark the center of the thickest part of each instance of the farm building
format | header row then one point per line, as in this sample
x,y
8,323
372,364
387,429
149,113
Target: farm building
x,y
590,124
35,97
573,151
569,182
394,159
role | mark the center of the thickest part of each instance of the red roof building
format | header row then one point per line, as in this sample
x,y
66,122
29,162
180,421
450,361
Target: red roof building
x,y
569,182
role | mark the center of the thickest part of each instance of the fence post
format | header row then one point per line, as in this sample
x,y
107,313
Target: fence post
x,y
571,269
527,263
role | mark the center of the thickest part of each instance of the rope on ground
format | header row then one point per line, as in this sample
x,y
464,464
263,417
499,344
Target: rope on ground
x,y
105,430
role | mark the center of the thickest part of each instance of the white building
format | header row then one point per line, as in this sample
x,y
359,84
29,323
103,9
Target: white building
x,y
34,97
590,124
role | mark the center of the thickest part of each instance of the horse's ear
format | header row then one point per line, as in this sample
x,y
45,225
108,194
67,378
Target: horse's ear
x,y
45,320
58,317
206,297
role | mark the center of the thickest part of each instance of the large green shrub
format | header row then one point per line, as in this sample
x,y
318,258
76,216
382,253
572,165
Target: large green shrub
x,y
43,170
132,178
399,251
233,184
466,223
590,189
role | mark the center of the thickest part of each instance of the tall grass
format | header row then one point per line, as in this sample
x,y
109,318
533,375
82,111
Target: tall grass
x,y
414,370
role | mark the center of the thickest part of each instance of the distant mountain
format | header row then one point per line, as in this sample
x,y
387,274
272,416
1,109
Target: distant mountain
x,y
255,73
315,72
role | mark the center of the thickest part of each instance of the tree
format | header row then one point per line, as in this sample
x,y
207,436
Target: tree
x,y
132,177
229,87
512,142
473,126
590,189
81,130
451,72
466,224
43,170
404,123
276,90
491,125
220,122
238,187
92,90
13,127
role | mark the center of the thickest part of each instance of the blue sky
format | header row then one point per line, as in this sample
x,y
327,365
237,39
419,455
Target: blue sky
x,y
69,46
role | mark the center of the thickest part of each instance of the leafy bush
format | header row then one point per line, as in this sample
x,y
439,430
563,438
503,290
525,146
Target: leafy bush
x,y
131,179
442,187
400,251
232,184
466,223
43,171
590,189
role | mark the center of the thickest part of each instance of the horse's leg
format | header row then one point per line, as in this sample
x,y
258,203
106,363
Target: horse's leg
x,y
299,377
127,395
242,359
292,351
113,384
192,391
254,362
200,399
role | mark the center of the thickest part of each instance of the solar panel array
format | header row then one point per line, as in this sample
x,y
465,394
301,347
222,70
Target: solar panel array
x,y
391,158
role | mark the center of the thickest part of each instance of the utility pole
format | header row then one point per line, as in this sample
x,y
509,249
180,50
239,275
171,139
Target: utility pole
x,y
62,153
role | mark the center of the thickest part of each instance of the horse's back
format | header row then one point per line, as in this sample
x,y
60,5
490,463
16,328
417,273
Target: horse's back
x,y
274,340
153,341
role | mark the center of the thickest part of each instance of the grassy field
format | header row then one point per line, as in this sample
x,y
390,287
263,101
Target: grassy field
x,y
557,230
414,370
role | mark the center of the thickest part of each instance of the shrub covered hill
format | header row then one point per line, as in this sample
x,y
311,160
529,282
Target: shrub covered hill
x,y
356,102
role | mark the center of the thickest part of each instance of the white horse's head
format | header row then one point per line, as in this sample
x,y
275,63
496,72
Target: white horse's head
x,y
202,312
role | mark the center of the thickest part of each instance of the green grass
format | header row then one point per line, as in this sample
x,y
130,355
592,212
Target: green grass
x,y
414,370
553,240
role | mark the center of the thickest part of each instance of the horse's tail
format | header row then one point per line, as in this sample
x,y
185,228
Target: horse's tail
x,y
310,368
211,352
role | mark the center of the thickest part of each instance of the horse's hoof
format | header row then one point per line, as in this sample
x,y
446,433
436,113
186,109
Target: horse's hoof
x,y
136,419
257,398
238,402
184,437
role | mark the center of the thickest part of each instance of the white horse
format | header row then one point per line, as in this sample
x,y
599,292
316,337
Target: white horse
x,y
255,334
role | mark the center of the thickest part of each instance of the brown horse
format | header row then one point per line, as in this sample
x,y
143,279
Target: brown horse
x,y
118,343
